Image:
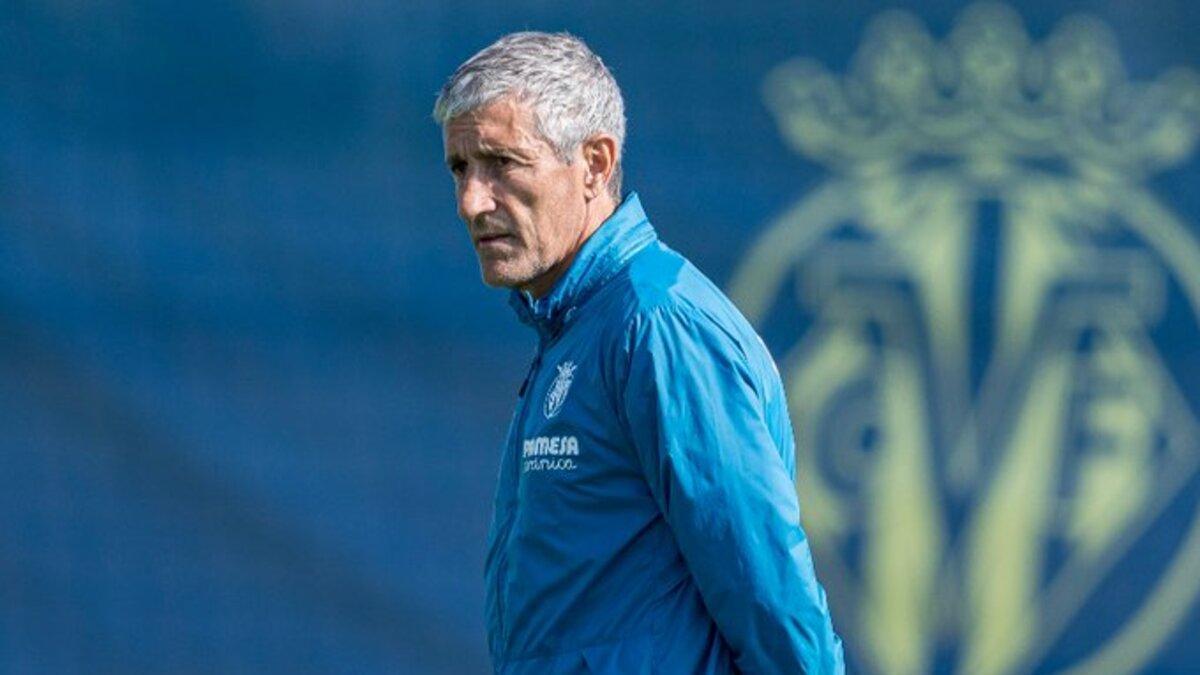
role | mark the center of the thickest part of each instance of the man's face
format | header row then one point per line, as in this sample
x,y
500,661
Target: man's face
x,y
524,207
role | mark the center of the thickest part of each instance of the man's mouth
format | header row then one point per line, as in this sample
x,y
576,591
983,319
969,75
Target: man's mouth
x,y
492,239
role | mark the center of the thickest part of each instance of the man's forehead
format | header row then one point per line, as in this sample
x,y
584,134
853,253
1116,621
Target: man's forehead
x,y
506,122
504,110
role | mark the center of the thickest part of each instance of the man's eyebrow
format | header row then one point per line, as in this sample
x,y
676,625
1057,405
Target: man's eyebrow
x,y
489,152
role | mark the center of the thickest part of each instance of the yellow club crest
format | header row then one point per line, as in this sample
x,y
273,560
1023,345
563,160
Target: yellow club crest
x,y
990,305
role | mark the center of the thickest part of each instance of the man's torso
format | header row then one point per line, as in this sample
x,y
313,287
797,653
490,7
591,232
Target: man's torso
x,y
583,572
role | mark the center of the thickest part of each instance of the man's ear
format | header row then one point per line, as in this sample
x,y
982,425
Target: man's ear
x,y
599,160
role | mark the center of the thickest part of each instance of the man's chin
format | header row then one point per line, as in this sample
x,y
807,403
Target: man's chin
x,y
502,278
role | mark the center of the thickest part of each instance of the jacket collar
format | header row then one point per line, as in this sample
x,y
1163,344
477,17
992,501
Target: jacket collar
x,y
610,247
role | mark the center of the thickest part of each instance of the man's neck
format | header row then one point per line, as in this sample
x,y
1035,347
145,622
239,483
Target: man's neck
x,y
598,211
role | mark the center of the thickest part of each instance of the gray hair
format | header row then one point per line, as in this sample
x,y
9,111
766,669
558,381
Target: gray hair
x,y
571,91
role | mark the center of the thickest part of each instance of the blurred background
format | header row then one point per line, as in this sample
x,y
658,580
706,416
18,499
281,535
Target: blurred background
x,y
252,391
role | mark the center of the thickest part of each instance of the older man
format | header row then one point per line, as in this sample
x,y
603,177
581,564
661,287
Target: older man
x,y
645,518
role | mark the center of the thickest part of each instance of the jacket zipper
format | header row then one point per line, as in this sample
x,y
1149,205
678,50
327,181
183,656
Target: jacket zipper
x,y
502,573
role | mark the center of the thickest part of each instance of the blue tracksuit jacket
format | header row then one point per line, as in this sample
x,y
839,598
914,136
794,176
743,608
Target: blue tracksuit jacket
x,y
645,518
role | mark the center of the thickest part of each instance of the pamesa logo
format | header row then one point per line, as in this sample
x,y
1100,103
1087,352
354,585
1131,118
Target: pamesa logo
x,y
988,318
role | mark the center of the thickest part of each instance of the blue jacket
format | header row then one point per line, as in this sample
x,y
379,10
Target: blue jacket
x,y
646,518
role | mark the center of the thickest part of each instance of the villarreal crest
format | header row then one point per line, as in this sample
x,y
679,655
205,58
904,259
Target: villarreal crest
x,y
983,309
559,388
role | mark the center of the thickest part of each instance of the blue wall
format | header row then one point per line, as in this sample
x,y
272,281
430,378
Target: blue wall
x,y
252,390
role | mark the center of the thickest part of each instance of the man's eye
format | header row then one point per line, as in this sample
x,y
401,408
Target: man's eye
x,y
457,168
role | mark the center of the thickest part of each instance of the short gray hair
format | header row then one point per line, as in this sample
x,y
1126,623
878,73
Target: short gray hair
x,y
571,91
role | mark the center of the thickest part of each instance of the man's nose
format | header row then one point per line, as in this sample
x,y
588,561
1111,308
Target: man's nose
x,y
474,197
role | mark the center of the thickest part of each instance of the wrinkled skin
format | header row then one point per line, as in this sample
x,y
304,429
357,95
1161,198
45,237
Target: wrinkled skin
x,y
526,210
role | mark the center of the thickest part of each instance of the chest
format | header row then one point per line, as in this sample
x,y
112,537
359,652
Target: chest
x,y
569,446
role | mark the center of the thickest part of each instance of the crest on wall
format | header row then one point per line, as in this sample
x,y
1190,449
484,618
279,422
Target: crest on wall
x,y
988,319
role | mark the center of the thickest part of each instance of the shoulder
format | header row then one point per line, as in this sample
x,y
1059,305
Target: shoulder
x,y
660,297
660,281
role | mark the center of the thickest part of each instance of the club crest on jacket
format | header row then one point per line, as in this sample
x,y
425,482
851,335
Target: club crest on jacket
x,y
559,388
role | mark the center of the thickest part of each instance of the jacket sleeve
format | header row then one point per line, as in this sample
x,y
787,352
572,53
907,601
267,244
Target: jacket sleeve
x,y
697,417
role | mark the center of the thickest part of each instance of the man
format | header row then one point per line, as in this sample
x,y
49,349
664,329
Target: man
x,y
645,519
